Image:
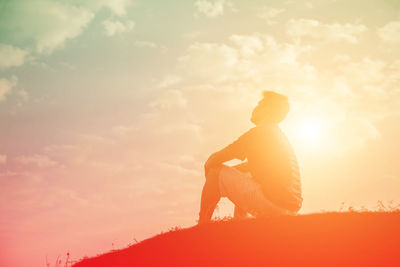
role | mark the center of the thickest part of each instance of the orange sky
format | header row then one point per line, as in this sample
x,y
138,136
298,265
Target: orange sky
x,y
109,109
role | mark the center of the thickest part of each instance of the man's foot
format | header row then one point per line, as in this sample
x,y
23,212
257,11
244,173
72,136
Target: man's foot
x,y
202,222
204,218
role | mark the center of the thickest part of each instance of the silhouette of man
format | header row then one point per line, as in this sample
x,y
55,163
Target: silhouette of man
x,y
268,183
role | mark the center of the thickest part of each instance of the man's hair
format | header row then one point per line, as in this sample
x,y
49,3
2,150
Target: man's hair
x,y
276,106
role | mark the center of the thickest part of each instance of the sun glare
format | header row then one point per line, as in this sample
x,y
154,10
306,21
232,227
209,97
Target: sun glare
x,y
308,132
311,130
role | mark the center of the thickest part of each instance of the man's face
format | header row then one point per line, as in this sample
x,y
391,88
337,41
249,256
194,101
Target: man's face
x,y
258,113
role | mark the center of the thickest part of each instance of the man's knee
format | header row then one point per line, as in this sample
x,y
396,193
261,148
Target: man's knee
x,y
212,174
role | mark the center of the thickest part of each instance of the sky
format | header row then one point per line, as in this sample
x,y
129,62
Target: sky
x,y
109,109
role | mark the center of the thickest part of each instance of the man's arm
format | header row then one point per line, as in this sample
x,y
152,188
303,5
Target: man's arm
x,y
243,167
218,158
236,150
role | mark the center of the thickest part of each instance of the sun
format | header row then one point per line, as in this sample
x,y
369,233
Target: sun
x,y
309,132
311,129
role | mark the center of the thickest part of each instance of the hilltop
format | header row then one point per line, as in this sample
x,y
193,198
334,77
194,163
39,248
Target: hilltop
x,y
324,239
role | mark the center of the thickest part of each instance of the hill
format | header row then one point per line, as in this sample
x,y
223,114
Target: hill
x,y
326,239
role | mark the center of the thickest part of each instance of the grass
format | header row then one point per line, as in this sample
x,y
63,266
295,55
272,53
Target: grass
x,y
351,238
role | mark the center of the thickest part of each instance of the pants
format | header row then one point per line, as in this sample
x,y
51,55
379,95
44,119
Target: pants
x,y
246,194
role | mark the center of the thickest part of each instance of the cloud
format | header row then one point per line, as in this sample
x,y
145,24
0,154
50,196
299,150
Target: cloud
x,y
298,28
170,99
11,56
390,32
169,80
211,9
6,85
61,22
234,72
119,7
113,27
364,129
68,21
179,170
366,72
47,25
23,96
309,5
248,45
3,159
41,161
123,129
244,59
187,128
269,13
208,59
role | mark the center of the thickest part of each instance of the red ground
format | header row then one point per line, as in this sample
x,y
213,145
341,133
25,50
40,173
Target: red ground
x,y
329,239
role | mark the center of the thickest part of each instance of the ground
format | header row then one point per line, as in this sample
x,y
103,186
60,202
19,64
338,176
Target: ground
x,y
323,239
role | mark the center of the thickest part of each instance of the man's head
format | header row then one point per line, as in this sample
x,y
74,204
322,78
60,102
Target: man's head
x,y
273,108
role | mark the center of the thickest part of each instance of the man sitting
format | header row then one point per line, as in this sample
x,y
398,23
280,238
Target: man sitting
x,y
269,182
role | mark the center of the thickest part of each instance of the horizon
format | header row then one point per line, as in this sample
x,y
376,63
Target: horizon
x,y
109,110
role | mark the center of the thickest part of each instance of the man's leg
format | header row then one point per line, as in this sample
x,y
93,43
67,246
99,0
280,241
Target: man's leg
x,y
239,213
210,195
240,188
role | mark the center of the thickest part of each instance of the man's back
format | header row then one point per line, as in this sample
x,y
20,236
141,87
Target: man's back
x,y
272,163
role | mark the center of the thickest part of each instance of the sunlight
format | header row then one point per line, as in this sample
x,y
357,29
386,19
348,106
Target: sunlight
x,y
311,130
308,131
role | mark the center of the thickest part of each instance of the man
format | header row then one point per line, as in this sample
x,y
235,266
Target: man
x,y
268,183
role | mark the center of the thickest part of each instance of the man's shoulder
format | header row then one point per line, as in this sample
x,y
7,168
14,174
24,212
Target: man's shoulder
x,y
253,131
266,129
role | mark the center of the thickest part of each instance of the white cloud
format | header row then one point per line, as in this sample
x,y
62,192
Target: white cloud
x,y
23,97
3,159
179,170
248,45
208,59
41,161
47,24
62,22
6,85
390,32
117,6
169,80
95,139
191,129
23,94
123,129
235,72
169,99
113,27
309,5
11,56
366,72
244,60
211,9
348,32
269,13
